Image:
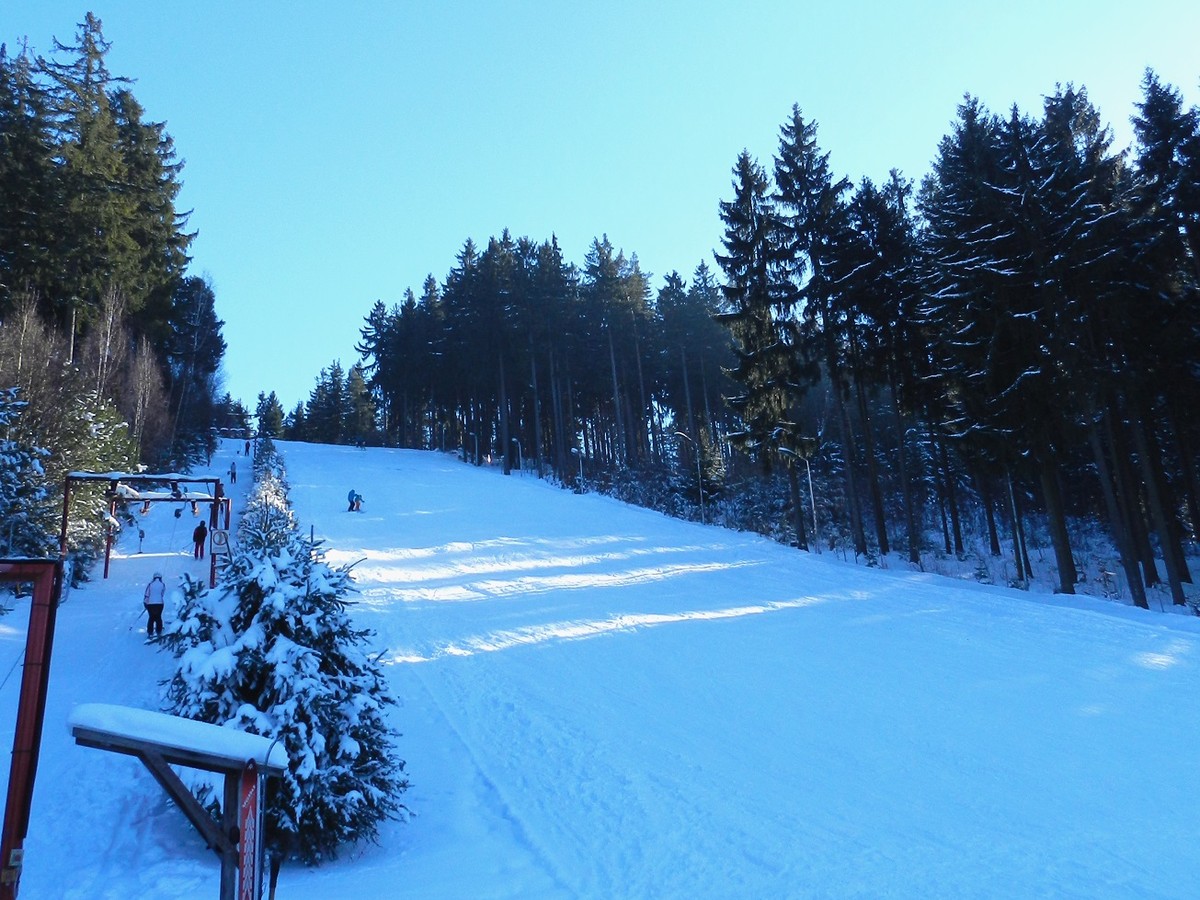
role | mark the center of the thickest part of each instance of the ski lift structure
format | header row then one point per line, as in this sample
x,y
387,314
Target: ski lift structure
x,y
182,490
46,575
245,760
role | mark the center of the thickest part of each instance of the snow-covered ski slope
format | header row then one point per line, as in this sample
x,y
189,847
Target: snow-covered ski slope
x,y
602,702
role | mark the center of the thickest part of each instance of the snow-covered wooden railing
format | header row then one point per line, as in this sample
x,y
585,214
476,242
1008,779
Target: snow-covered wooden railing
x,y
160,741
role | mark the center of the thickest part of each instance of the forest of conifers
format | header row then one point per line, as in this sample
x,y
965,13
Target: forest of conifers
x,y
1003,357
109,350
1009,349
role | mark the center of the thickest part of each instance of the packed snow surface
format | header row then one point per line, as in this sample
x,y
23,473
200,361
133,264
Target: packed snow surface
x,y
598,701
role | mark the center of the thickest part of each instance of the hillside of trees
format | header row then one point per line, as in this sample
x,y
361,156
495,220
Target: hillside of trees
x,y
1002,356
992,362
113,349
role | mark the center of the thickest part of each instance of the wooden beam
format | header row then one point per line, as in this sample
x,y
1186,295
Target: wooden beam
x,y
177,756
216,839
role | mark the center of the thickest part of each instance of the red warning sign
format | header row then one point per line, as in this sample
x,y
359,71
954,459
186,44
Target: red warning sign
x,y
250,844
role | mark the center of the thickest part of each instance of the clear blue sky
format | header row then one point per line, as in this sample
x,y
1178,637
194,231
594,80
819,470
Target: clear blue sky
x,y
338,153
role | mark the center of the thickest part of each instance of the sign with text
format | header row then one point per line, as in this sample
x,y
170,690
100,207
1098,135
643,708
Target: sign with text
x,y
250,834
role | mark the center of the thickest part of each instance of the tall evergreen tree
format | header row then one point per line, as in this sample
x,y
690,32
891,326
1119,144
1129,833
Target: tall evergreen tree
x,y
269,412
96,248
758,302
815,231
29,183
887,347
194,349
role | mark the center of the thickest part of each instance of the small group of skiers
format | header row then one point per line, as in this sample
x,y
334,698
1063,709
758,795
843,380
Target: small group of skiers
x,y
355,500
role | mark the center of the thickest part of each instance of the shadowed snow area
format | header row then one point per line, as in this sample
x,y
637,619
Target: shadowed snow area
x,y
601,702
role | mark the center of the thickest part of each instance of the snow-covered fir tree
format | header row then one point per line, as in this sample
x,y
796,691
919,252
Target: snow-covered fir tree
x,y
26,508
271,651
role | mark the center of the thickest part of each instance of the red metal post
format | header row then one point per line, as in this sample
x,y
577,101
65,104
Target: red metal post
x,y
62,533
46,576
250,843
108,534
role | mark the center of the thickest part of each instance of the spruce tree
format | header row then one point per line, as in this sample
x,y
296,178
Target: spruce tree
x,y
27,512
815,233
96,249
755,295
272,651
360,410
29,187
269,413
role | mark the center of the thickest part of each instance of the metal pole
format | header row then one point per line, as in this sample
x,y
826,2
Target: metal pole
x,y
812,499
62,535
108,534
699,473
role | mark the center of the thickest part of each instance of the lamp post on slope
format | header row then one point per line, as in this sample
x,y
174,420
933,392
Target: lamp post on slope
x,y
812,497
579,455
699,473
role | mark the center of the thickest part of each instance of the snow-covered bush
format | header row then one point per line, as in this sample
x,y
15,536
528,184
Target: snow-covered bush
x,y
27,511
271,650
95,439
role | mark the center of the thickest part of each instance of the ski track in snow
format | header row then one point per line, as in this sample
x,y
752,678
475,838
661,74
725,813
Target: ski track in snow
x,y
600,702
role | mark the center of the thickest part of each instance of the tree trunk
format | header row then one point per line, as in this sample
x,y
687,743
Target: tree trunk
x,y
1052,493
910,510
797,506
845,434
687,396
612,358
985,496
1020,551
1174,539
1118,519
1133,490
1187,464
537,408
881,535
951,498
1158,512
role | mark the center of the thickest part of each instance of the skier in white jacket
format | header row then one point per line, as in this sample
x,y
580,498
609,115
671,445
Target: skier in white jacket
x,y
153,601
